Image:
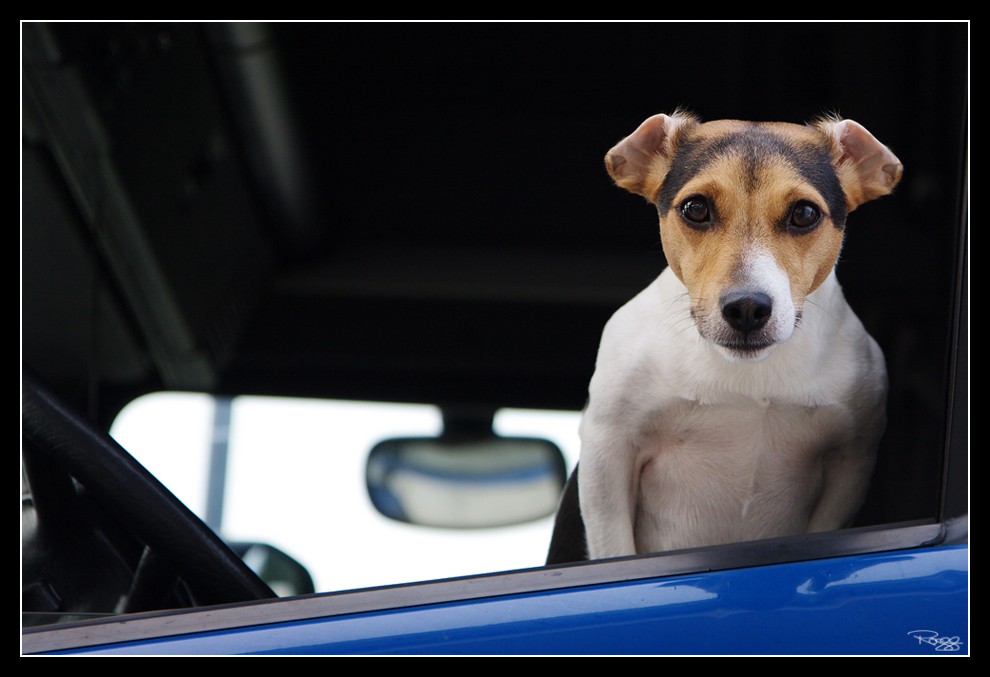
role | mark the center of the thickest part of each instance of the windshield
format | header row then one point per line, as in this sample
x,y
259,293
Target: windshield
x,y
295,480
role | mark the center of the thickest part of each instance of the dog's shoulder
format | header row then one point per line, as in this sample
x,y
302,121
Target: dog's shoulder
x,y
641,339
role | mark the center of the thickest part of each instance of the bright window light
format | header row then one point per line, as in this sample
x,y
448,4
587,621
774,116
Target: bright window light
x,y
295,480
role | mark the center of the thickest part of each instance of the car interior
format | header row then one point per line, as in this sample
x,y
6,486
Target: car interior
x,y
417,213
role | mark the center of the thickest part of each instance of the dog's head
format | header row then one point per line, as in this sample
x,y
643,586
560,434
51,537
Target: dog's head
x,y
752,214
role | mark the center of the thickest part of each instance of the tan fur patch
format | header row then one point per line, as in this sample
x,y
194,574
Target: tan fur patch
x,y
752,175
748,218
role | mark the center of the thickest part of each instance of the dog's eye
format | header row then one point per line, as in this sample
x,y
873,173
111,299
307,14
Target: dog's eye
x,y
695,209
804,215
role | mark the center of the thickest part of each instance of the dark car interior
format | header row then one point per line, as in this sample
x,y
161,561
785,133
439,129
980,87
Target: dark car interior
x,y
416,213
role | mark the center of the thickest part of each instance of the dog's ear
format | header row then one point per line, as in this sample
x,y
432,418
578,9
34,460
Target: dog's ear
x,y
640,161
867,169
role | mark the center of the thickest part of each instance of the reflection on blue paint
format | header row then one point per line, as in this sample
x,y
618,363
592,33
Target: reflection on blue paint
x,y
866,604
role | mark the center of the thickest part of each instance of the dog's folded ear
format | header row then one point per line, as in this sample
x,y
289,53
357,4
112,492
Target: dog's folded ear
x,y
640,161
867,169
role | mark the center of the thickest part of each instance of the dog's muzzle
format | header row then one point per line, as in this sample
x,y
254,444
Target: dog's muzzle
x,y
744,330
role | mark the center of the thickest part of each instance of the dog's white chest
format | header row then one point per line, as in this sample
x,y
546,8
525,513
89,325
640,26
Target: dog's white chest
x,y
721,473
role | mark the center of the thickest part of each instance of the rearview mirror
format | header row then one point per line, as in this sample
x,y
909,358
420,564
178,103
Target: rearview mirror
x,y
457,482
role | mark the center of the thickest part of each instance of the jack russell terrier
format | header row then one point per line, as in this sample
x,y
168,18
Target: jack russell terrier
x,y
738,397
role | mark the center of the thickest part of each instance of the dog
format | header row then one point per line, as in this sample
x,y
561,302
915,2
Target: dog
x,y
738,397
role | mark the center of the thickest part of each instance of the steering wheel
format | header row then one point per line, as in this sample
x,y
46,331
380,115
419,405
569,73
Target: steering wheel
x,y
57,436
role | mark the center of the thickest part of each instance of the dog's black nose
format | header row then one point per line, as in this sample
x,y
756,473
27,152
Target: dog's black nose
x,y
746,311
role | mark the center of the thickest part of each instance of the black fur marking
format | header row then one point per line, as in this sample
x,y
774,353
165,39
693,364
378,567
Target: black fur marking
x,y
756,145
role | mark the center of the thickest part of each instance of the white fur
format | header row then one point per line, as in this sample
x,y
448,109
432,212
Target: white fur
x,y
684,445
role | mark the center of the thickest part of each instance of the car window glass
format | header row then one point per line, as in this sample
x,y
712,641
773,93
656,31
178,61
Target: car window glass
x,y
295,480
